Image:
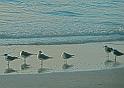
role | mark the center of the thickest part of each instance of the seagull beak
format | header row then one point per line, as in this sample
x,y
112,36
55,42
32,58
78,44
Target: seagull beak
x,y
2,55
104,46
18,58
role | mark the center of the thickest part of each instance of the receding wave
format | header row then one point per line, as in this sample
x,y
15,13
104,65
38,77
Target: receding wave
x,y
60,40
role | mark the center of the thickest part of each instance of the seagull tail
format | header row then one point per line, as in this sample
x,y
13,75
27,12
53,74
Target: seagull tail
x,y
17,57
50,57
34,54
72,56
122,53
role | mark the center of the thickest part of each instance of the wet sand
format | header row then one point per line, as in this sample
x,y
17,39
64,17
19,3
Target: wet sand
x,y
89,68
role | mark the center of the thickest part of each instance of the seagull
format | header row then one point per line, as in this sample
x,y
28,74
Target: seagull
x,y
25,55
67,56
108,50
9,58
117,53
42,57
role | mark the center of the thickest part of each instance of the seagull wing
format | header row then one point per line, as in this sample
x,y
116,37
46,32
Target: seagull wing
x,y
66,55
43,56
28,53
11,58
25,54
118,53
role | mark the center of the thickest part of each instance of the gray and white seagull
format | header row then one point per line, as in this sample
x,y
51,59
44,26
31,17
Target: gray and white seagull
x,y
117,53
66,56
25,55
108,50
42,57
9,58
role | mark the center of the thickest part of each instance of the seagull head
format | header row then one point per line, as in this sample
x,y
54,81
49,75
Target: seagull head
x,y
40,51
5,55
105,46
22,51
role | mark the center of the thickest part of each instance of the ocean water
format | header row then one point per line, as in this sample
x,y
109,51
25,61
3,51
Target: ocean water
x,y
61,21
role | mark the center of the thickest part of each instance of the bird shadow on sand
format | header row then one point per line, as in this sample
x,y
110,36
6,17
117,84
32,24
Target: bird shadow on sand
x,y
9,70
41,70
111,63
116,64
25,66
67,66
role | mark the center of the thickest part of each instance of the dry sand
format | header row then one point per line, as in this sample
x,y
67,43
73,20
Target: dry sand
x,y
89,69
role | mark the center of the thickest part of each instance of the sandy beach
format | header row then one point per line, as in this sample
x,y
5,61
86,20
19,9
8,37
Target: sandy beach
x,y
89,69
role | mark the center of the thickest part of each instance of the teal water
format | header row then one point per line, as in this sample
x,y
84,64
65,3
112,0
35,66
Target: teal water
x,y
61,21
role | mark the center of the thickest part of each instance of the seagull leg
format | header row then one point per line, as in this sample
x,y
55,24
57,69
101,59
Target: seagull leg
x,y
41,64
24,60
41,68
8,65
65,61
115,58
108,56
